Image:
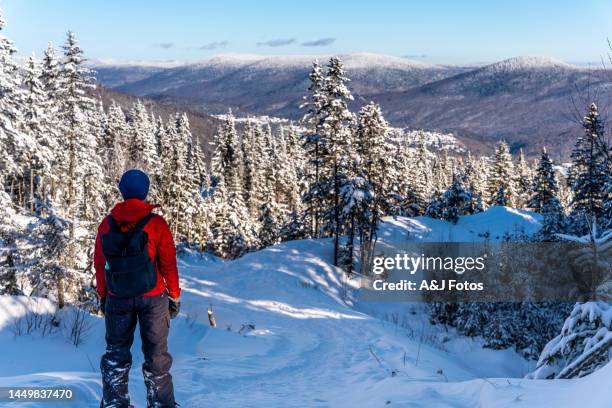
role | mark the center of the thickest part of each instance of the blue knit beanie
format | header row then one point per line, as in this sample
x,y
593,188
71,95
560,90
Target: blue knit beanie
x,y
134,184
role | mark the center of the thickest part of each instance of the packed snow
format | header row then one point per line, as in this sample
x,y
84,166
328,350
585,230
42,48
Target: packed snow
x,y
292,333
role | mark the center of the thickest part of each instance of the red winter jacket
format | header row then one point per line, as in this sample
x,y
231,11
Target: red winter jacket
x,y
127,214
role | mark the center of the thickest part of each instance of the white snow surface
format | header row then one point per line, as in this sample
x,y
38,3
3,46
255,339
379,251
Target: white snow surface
x,y
358,60
523,63
311,343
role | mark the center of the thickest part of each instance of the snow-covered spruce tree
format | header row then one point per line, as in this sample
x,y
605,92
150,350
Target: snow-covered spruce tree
x,y
233,233
336,132
269,212
199,166
233,229
545,199
50,80
81,190
269,181
501,185
315,147
9,231
589,174
421,179
583,345
40,155
49,277
291,162
374,155
177,188
225,160
471,181
115,142
524,181
374,152
585,341
141,143
357,197
247,157
14,146
269,230
453,203
259,165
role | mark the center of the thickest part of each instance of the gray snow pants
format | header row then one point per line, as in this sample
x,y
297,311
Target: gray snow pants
x,y
152,314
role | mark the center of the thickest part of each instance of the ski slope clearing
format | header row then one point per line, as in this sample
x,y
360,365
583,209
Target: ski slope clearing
x,y
292,333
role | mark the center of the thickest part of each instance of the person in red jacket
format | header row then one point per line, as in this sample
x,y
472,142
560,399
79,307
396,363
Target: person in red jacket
x,y
137,281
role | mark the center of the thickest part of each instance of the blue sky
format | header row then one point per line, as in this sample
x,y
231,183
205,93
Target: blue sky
x,y
456,32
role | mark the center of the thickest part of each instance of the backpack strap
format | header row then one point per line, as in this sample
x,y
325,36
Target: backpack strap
x,y
112,224
129,234
138,227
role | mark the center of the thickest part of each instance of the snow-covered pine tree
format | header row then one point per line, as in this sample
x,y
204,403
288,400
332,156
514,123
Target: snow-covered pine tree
x,y
290,168
40,154
589,174
269,212
397,187
374,153
471,180
336,131
420,178
524,181
225,160
315,147
142,143
49,276
9,231
356,197
259,164
270,166
585,341
82,189
115,142
233,229
178,187
453,203
583,345
249,170
544,199
269,230
50,80
374,161
501,185
14,146
199,165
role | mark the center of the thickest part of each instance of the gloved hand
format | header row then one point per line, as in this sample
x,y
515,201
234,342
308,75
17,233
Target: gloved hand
x,y
175,306
103,305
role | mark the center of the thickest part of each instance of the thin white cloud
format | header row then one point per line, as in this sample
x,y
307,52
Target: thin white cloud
x,y
165,45
321,42
215,45
278,42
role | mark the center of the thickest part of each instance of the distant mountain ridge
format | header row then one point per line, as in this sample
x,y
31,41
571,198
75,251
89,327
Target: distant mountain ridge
x,y
526,100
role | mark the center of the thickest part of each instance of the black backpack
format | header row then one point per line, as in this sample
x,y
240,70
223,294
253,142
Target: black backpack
x,y
129,269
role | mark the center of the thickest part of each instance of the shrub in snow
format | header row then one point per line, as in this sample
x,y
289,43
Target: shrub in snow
x,y
526,327
585,342
583,346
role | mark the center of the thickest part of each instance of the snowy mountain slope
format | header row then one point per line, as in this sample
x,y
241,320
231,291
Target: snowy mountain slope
x,y
526,100
261,85
292,334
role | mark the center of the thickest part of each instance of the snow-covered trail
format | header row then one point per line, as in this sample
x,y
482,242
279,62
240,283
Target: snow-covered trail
x,y
309,348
